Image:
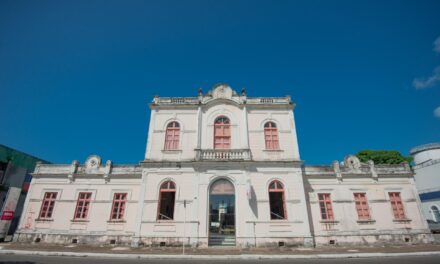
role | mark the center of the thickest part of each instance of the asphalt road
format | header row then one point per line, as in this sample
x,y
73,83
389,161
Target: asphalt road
x,y
24,259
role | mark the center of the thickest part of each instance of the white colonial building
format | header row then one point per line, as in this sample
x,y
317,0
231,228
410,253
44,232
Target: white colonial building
x,y
222,169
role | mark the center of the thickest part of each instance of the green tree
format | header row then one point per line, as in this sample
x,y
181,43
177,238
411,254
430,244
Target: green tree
x,y
382,156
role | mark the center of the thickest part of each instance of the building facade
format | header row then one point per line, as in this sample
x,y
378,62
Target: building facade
x,y
223,169
427,176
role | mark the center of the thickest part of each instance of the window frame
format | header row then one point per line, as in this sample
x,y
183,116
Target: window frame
x,y
172,136
51,205
169,188
395,201
328,207
119,204
362,206
84,208
434,216
278,188
271,137
225,137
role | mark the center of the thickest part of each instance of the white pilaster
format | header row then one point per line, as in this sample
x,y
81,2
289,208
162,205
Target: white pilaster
x,y
245,131
150,134
199,127
295,137
140,211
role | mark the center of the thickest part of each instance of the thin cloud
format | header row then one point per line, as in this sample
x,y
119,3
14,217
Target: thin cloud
x,y
437,45
423,83
437,112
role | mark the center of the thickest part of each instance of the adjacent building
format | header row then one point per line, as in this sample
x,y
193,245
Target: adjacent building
x,y
222,168
427,175
15,169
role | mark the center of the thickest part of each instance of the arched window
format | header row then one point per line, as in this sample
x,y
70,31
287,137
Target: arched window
x,y
435,213
222,133
277,200
167,198
172,136
271,135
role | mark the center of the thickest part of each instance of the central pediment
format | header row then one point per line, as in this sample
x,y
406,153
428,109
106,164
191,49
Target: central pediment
x,y
223,91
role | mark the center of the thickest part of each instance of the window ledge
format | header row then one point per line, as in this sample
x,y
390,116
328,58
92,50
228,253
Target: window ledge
x,y
273,150
171,151
44,220
165,221
366,221
278,220
406,220
79,221
116,221
329,222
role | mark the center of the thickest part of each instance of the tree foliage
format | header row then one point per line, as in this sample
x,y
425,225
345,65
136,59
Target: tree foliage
x,y
382,156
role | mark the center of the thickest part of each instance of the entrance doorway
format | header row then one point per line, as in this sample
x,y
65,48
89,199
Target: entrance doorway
x,y
222,213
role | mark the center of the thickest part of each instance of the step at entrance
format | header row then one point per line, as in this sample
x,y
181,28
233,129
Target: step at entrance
x,y
221,240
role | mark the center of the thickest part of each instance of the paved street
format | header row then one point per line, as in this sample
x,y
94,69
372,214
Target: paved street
x,y
23,259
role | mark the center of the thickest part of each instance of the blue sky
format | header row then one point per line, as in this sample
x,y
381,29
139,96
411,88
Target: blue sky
x,y
76,77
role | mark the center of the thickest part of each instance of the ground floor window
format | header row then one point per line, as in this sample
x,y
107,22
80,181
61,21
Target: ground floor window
x,y
435,213
118,206
397,205
362,208
276,200
82,205
167,198
325,205
47,205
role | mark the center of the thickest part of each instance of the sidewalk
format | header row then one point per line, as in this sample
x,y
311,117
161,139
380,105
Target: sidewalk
x,y
218,252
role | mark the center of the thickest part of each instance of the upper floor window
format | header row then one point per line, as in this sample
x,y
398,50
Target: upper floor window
x,y
362,208
118,206
47,205
167,197
172,136
397,205
222,133
271,135
82,205
277,200
325,205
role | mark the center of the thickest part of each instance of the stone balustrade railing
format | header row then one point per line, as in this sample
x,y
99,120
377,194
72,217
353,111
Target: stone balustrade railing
x,y
224,154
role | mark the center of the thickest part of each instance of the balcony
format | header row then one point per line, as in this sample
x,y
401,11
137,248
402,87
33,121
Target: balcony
x,y
223,154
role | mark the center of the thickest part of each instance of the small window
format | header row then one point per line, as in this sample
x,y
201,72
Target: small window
x,y
435,213
118,206
325,205
82,205
167,198
172,136
47,205
222,133
271,136
397,205
362,207
277,201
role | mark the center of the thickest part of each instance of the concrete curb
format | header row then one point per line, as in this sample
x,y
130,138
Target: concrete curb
x,y
218,257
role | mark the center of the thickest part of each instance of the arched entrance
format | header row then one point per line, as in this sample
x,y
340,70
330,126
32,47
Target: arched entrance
x,y
222,213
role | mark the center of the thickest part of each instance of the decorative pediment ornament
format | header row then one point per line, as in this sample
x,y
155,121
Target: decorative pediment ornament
x,y
222,91
93,162
352,162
